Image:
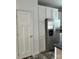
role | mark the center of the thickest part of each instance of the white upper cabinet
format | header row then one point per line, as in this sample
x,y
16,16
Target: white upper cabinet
x,y
48,12
51,13
55,13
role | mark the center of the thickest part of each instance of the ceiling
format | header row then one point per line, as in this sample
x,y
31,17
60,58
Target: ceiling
x,y
51,3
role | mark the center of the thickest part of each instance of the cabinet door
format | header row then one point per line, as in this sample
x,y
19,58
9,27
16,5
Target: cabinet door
x,y
42,13
51,13
48,12
24,33
54,12
42,36
42,28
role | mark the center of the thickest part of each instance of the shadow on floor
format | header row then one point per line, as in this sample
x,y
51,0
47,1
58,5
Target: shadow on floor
x,y
46,55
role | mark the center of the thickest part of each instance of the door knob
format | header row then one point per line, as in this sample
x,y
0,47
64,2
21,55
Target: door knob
x,y
30,36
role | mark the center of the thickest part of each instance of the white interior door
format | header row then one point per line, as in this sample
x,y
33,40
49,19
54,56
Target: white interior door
x,y
25,33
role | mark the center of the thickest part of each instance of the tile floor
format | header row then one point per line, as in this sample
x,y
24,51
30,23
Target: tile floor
x,y
47,55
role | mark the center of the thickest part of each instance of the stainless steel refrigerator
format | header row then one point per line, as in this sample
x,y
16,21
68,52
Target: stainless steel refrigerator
x,y
52,33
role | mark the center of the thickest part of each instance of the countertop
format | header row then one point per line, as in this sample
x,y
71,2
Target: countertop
x,y
59,45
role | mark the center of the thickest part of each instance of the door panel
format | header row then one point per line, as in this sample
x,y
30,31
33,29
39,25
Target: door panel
x,y
42,15
25,33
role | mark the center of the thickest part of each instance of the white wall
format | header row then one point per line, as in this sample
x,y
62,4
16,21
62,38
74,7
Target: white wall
x,y
31,5
26,4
